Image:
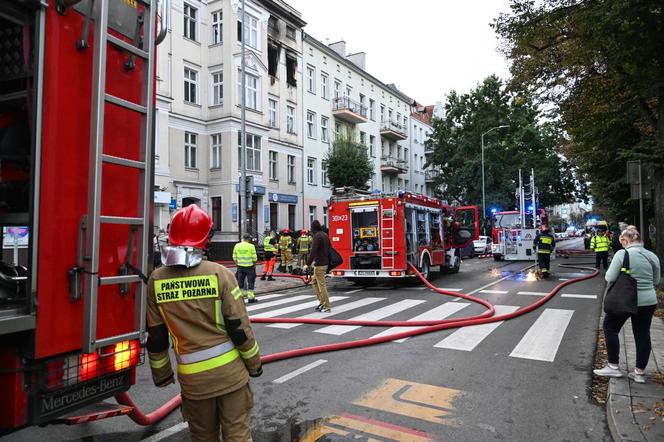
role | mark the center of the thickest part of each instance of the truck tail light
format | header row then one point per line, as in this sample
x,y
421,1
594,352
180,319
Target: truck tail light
x,y
89,367
125,355
338,272
395,273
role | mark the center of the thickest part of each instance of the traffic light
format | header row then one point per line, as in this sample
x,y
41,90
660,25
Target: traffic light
x,y
249,187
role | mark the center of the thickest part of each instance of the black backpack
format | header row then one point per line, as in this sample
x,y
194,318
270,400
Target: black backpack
x,y
333,258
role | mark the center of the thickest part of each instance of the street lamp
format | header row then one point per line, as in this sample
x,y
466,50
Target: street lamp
x,y
504,126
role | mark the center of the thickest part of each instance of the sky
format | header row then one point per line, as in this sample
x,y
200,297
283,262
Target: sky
x,y
425,47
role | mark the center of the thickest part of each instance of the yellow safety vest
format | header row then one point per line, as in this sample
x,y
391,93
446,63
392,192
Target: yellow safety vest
x,y
600,243
303,243
267,246
244,254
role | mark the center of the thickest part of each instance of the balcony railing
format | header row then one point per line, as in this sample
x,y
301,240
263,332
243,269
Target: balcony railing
x,y
348,110
393,130
430,175
391,164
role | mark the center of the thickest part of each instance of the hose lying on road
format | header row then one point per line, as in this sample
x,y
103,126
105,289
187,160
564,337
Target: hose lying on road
x,y
422,327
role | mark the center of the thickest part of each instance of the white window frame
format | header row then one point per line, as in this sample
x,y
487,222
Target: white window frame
x,y
324,129
217,88
325,216
311,171
325,182
324,79
290,168
215,151
190,19
191,85
253,152
273,166
251,30
190,150
312,215
372,109
217,27
337,88
290,119
372,146
311,79
253,90
273,113
311,124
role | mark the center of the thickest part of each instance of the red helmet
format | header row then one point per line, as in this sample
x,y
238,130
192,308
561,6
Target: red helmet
x,y
190,226
304,232
285,231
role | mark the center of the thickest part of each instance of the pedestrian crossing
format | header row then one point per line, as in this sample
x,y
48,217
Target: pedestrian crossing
x,y
540,342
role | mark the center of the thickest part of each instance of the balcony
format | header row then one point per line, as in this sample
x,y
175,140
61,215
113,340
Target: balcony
x,y
393,131
430,175
393,165
428,150
349,111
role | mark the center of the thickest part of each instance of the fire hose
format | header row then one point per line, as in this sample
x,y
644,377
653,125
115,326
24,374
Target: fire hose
x,y
422,327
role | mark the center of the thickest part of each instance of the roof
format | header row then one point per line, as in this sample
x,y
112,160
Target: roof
x,y
423,113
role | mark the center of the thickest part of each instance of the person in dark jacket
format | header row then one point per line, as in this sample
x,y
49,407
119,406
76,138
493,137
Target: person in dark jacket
x,y
319,257
544,243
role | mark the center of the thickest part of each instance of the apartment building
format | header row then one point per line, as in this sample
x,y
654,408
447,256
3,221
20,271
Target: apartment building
x,y
421,124
341,97
198,115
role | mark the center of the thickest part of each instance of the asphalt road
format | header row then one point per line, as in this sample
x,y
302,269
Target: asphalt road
x,y
524,379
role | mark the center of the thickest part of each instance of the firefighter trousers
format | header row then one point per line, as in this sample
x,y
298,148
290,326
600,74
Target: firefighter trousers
x,y
602,258
286,259
302,258
231,413
544,263
320,286
248,273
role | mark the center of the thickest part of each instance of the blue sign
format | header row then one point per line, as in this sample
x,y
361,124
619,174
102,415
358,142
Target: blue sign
x,y
258,190
282,198
234,212
266,213
173,204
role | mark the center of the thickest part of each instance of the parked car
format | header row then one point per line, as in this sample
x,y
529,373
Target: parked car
x,y
482,245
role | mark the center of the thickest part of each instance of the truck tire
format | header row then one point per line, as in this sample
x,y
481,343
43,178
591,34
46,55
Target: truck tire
x,y
425,269
457,266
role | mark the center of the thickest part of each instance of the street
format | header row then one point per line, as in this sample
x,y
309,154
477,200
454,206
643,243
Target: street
x,y
524,379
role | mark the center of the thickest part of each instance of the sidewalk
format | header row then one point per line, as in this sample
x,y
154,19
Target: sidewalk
x,y
635,412
272,286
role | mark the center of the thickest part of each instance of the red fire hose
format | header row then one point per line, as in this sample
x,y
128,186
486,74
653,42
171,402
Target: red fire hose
x,y
423,327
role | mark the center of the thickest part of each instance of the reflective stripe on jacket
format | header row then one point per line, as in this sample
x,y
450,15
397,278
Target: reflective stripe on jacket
x,y
303,244
267,244
545,243
285,243
600,243
244,254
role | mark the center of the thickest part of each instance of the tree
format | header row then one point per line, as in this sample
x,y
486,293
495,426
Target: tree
x,y
348,164
598,65
527,144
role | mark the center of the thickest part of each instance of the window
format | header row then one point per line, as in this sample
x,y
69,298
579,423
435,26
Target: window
x,y
216,212
250,31
190,85
311,170
311,79
372,145
349,91
217,27
337,129
215,151
382,113
273,52
405,156
325,218
323,174
273,114
218,88
273,170
291,169
323,85
290,119
253,157
190,14
324,132
312,214
311,124
252,91
337,89
291,69
290,32
190,147
363,138
372,109
363,100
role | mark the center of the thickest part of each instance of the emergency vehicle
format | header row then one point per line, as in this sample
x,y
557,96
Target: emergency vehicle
x,y
377,235
76,152
513,234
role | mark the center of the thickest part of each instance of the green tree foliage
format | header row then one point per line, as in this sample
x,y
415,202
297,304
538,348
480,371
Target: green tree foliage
x,y
599,65
527,144
348,164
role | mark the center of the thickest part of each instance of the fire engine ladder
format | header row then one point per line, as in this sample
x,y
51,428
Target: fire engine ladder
x,y
387,236
94,219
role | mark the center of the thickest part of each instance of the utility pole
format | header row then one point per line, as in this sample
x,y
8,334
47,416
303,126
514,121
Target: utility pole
x,y
243,134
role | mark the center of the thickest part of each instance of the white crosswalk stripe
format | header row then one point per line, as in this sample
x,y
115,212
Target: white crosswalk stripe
x,y
294,308
371,316
576,295
542,340
533,293
440,312
335,311
495,292
467,338
264,305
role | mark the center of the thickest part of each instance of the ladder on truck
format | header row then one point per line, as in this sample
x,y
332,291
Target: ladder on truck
x,y
145,50
387,236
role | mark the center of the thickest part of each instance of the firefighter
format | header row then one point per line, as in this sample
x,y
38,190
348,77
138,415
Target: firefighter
x,y
544,243
303,247
270,249
244,256
601,243
199,304
285,244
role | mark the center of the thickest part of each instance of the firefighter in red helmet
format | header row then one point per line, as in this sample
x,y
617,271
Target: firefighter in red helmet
x,y
200,305
286,251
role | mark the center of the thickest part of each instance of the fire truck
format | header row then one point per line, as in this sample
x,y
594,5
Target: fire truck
x,y
377,235
76,158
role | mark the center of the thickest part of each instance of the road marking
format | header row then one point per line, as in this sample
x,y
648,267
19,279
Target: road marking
x,y
271,296
533,293
168,432
421,401
337,310
574,295
542,340
353,427
371,316
495,292
563,279
353,291
299,371
449,289
263,305
294,308
499,280
467,338
440,312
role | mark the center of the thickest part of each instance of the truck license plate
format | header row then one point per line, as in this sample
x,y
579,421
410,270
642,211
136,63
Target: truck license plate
x,y
364,273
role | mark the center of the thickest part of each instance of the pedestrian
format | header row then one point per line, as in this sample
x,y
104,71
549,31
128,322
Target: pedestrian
x,y
544,243
615,239
285,244
644,266
199,304
303,246
269,255
319,257
600,243
244,256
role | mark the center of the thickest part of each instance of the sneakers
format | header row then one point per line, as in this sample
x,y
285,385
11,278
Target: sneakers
x,y
639,378
325,310
252,301
270,278
320,306
609,372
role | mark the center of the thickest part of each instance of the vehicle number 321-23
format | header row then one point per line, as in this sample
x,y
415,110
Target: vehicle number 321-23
x,y
339,218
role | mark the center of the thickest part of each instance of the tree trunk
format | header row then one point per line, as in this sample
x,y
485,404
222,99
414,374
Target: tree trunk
x,y
658,181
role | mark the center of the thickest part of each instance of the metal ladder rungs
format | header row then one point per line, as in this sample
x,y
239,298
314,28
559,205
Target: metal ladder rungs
x,y
112,280
119,338
121,220
126,104
127,46
123,161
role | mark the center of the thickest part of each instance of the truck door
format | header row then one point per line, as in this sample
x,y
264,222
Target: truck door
x,y
437,247
469,227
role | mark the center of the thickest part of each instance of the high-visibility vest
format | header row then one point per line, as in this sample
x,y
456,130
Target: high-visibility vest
x,y
544,243
285,242
600,243
244,254
303,244
267,244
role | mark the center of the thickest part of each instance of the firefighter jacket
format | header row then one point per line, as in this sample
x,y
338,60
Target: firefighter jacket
x,y
267,244
285,243
600,243
545,243
303,244
244,254
203,311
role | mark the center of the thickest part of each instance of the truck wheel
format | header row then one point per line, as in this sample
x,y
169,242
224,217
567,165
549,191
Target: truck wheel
x,y
497,257
425,270
457,265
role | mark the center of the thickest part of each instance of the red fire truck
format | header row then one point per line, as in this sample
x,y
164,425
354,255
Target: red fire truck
x,y
378,235
513,234
76,123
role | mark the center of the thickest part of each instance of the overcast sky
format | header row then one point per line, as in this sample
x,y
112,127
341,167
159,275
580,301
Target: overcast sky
x,y
425,47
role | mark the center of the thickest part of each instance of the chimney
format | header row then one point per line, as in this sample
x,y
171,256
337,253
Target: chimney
x,y
339,47
359,59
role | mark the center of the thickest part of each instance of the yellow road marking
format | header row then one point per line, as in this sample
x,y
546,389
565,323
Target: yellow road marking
x,y
353,427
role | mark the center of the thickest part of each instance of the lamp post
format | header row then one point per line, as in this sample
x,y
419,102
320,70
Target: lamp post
x,y
504,126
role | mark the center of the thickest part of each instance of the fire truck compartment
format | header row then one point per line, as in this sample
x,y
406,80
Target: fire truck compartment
x,y
366,236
